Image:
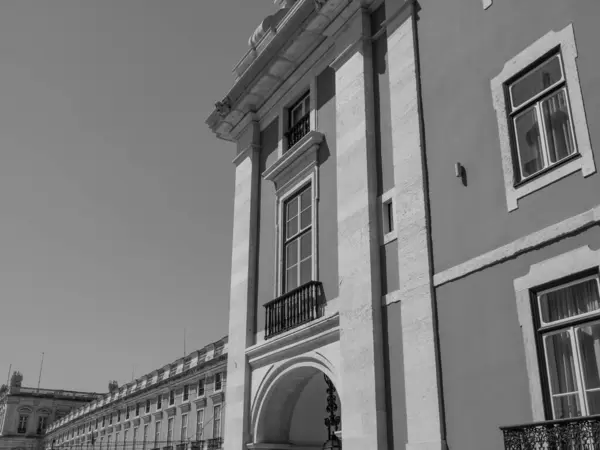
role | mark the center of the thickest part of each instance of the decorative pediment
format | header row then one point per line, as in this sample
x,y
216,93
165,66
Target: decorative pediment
x,y
302,156
148,417
171,410
158,414
218,397
200,402
185,407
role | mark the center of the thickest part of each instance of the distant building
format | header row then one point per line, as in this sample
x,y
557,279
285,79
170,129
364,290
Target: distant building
x,y
26,413
178,406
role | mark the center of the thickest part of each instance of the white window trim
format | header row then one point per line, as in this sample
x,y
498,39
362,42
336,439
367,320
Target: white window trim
x,y
564,38
288,101
312,179
387,197
198,411
561,266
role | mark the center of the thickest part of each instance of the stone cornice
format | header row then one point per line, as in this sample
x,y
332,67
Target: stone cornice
x,y
171,410
299,340
200,402
302,155
158,414
218,397
185,407
147,418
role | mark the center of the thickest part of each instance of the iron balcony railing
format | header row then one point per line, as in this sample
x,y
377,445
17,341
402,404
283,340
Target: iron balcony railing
x,y
298,130
581,433
215,443
197,445
299,306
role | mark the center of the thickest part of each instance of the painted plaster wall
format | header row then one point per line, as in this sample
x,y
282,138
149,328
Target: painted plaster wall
x,y
327,239
482,351
307,426
462,47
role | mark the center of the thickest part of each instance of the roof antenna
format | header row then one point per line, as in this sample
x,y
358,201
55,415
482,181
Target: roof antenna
x,y
40,377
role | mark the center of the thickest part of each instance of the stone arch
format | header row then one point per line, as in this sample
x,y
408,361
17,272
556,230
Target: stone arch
x,y
288,391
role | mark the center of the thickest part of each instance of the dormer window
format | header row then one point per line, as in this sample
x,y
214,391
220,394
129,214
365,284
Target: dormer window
x,y
299,120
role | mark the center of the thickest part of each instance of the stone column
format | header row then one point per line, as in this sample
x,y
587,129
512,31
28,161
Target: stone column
x,y
362,389
242,303
424,427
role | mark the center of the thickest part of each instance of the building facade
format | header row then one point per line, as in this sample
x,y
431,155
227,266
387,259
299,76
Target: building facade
x,y
26,413
416,226
179,406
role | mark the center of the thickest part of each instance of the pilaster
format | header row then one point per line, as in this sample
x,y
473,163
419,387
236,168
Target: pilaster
x,y
242,304
423,412
362,389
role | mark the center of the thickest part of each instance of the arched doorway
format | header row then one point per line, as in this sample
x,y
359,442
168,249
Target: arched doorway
x,y
291,407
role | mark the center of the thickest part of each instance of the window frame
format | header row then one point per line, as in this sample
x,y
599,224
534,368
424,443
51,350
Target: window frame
x,y
186,392
546,274
23,417
291,100
159,402
562,41
307,181
219,421
203,381
184,425
145,437
220,382
157,425
170,430
199,423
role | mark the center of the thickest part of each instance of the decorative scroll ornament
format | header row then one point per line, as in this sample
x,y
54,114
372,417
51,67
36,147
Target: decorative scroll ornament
x,y
223,107
332,422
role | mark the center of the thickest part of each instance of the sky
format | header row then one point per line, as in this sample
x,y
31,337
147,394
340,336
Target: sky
x,y
116,200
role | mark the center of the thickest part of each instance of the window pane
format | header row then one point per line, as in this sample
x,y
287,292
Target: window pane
x,y
539,79
593,399
558,126
589,348
306,104
561,366
291,254
291,227
292,208
291,278
570,301
305,218
305,245
529,144
296,114
305,199
305,271
566,406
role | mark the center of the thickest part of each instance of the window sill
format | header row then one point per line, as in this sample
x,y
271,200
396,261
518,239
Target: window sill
x,y
300,157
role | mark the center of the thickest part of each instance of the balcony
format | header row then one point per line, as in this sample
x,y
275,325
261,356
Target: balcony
x,y
214,443
299,306
581,433
298,131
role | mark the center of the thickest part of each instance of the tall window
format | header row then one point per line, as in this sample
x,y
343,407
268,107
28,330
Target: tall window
x,y
184,425
110,418
170,430
118,416
103,421
186,392
145,437
217,422
96,425
147,406
218,381
172,397
137,409
125,436
42,423
297,244
568,319
299,120
200,387
116,441
108,442
156,433
159,402
199,424
22,429
101,442
127,413
135,432
541,117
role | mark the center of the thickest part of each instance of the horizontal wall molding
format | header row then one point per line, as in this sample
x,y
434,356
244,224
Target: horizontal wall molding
x,y
572,225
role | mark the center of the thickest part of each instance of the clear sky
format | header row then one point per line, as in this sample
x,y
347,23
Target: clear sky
x,y
116,200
